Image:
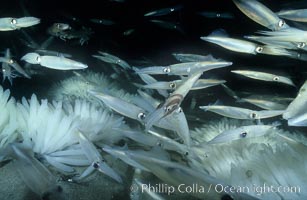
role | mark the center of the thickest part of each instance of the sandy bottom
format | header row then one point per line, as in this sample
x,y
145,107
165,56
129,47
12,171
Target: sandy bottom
x,y
95,187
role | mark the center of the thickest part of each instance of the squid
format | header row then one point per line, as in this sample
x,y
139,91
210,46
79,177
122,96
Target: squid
x,y
300,120
264,76
178,121
52,53
241,133
10,24
53,62
261,14
282,44
220,38
264,104
172,85
8,73
187,68
287,35
106,57
97,162
151,80
163,11
299,15
7,63
183,57
122,107
241,113
35,175
172,103
121,153
297,106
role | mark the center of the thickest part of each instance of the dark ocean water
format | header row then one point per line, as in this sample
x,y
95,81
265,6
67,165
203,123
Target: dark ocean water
x,y
148,41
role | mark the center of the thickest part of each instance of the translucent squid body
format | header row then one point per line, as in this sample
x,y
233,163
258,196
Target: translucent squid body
x,y
264,76
10,24
106,57
175,120
299,15
121,153
163,11
241,113
282,45
35,175
261,14
287,35
241,133
8,62
300,120
97,162
173,102
172,85
7,73
178,121
298,106
183,57
264,104
122,107
188,68
53,62
220,38
155,139
151,80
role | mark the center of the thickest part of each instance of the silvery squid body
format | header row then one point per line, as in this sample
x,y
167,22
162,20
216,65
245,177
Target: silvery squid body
x,y
10,23
53,62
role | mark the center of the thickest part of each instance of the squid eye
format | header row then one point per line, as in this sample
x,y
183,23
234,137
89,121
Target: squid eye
x,y
96,165
301,45
243,135
276,78
218,15
259,49
172,85
186,153
281,23
14,21
159,143
38,59
167,108
141,116
179,110
253,115
166,70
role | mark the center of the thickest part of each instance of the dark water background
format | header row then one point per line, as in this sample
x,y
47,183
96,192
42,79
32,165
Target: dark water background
x,y
148,41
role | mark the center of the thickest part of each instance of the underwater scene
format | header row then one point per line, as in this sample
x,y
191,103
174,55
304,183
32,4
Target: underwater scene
x,y
153,99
